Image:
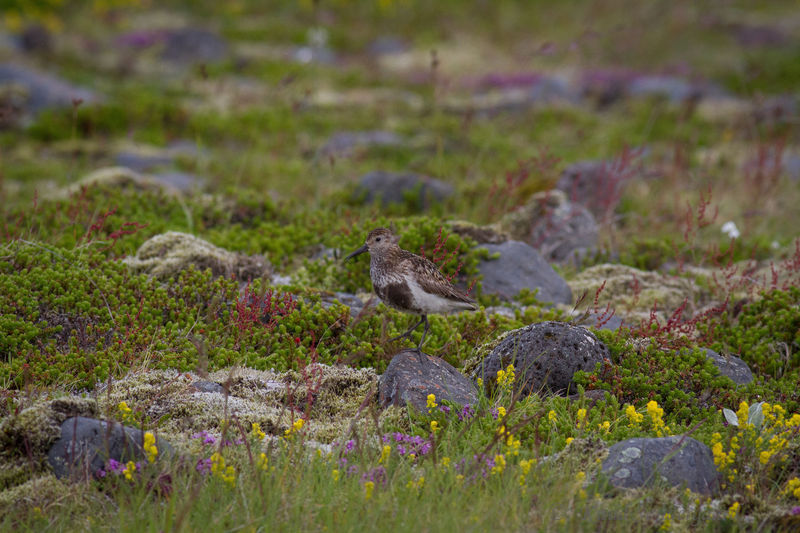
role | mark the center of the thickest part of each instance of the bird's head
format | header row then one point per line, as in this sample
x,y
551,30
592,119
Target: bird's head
x,y
378,240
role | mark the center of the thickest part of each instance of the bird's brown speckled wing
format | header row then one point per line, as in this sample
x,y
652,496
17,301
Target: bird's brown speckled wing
x,y
431,279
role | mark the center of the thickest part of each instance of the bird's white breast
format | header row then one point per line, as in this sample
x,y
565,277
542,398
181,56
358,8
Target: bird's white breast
x,y
432,303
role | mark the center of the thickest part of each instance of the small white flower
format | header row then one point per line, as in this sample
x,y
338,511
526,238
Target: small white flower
x,y
730,229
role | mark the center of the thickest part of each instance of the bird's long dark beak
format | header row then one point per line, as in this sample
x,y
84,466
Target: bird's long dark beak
x,y
357,252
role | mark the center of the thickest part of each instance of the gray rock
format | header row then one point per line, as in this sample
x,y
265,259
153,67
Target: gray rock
x,y
86,444
345,142
731,366
182,181
521,267
189,46
207,386
545,356
397,188
387,44
671,88
141,162
677,460
597,185
43,91
606,320
408,380
565,233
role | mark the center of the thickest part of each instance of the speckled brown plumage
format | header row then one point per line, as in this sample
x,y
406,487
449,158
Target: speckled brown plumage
x,y
408,282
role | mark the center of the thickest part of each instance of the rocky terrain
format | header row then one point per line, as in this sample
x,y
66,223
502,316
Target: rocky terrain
x,y
183,348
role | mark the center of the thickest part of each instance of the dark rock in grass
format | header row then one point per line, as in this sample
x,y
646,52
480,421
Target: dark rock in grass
x,y
597,185
731,366
207,386
675,460
409,380
521,267
545,356
387,44
399,188
141,162
42,91
189,46
36,39
345,142
181,181
86,445
558,229
601,319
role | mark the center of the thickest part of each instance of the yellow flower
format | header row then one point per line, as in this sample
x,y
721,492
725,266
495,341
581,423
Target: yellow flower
x,y
125,411
733,510
499,464
513,444
480,383
130,468
501,411
792,487
431,401
150,446
257,432
369,486
551,416
580,417
666,524
743,414
296,426
580,476
505,378
634,418
434,426
445,462
263,461
525,465
385,452
605,426
335,475
569,440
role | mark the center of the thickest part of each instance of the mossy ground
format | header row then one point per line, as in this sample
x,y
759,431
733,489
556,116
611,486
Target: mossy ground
x,y
75,317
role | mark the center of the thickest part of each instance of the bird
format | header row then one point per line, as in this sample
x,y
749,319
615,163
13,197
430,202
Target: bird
x,y
409,283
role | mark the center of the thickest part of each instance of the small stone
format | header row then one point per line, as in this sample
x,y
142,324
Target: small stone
x,y
343,143
189,46
676,460
408,380
521,267
399,188
731,366
207,386
545,356
86,444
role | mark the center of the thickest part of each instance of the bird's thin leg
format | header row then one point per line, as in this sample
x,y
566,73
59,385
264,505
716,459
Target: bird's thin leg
x,y
424,332
408,333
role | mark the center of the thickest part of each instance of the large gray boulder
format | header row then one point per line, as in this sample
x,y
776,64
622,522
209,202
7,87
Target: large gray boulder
x,y
676,460
521,267
731,366
545,357
411,377
86,445
399,187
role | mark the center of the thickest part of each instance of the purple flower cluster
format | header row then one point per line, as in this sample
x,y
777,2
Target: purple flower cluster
x,y
206,437
408,444
203,466
114,466
466,413
377,475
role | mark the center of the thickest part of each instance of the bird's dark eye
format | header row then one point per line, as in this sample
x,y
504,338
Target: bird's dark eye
x,y
378,239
